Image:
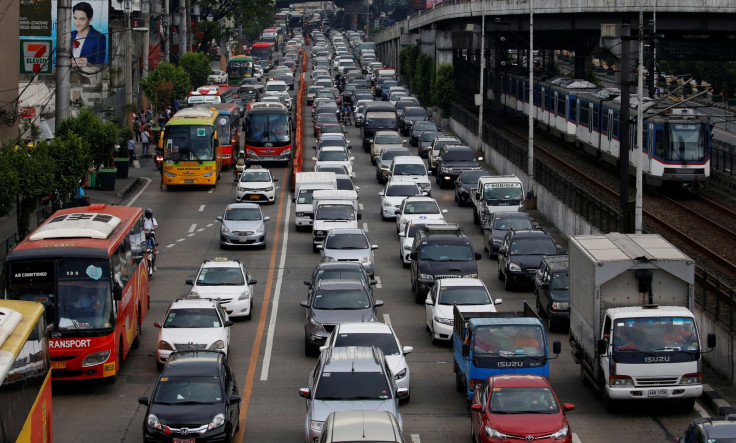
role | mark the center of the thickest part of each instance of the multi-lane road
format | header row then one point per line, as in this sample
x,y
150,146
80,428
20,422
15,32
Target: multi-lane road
x,y
267,352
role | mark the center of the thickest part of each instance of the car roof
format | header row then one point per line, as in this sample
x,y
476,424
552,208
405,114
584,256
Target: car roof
x,y
387,132
334,285
352,359
243,205
339,265
529,233
460,282
502,215
557,263
192,302
420,199
372,327
518,380
373,426
716,427
408,159
338,231
193,363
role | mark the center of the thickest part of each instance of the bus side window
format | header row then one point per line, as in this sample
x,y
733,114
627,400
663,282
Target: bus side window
x,y
137,241
120,265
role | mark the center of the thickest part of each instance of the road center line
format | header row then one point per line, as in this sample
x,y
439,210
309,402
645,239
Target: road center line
x,y
201,208
415,438
378,282
360,206
276,297
365,227
193,227
253,362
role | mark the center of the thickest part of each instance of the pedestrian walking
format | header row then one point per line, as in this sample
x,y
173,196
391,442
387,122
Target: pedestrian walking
x,y
137,128
145,139
131,149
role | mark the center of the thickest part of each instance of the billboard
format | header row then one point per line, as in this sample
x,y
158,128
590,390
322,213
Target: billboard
x,y
90,32
35,17
35,56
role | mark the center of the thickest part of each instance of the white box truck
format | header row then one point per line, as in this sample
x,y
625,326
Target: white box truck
x,y
304,185
333,209
632,329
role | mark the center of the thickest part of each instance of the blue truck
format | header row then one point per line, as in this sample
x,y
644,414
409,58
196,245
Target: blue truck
x,y
493,343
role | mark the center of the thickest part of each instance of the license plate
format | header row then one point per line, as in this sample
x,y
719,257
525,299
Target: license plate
x,y
58,365
183,440
255,197
658,393
188,181
243,239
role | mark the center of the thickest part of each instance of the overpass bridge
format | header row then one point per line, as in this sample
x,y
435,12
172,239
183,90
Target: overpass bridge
x,y
450,31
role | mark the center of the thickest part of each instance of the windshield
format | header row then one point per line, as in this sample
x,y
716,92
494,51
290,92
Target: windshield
x,y
353,386
652,334
243,214
340,275
376,122
83,300
260,176
385,342
276,87
188,142
305,196
503,191
509,340
220,276
334,212
424,126
331,155
407,190
464,295
532,246
409,169
265,128
385,139
345,184
387,156
223,130
331,142
471,178
192,318
347,241
532,400
347,299
516,223
560,281
415,113
187,389
431,135
686,142
425,207
446,252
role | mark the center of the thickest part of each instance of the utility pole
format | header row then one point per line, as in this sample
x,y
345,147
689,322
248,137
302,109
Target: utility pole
x,y
146,18
530,62
128,68
639,125
63,59
182,28
165,19
481,96
625,142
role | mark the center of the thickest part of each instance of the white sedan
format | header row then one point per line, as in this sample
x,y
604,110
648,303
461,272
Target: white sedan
x,y
192,323
418,209
256,184
334,155
469,294
395,191
217,77
227,280
380,335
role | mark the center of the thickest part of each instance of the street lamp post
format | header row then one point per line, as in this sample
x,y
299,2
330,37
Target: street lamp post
x,y
530,62
481,99
128,68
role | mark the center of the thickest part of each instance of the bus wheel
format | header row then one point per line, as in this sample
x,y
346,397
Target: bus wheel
x,y
111,380
137,339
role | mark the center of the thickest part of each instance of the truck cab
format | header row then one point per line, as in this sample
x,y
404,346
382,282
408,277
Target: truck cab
x,y
499,193
333,209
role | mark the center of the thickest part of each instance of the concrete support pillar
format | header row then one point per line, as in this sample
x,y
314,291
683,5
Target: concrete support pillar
x,y
443,48
580,56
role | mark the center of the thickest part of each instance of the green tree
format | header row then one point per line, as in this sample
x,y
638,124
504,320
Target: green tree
x,y
407,60
166,83
197,65
444,91
244,12
8,180
421,79
35,170
98,138
71,159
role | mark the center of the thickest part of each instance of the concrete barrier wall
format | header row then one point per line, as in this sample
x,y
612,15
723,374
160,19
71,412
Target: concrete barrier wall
x,y
721,360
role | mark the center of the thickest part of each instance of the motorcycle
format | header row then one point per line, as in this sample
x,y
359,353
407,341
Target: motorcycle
x,y
239,167
345,117
151,251
158,159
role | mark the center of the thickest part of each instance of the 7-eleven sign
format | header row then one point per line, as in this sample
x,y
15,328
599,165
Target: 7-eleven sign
x,y
35,56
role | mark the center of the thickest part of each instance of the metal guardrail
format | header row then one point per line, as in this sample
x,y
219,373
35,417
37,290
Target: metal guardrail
x,y
723,158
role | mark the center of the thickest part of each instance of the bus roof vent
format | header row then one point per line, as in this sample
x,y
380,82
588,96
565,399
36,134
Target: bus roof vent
x,y
9,319
76,225
195,113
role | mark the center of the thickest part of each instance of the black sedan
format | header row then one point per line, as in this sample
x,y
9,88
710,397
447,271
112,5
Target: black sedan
x,y
465,183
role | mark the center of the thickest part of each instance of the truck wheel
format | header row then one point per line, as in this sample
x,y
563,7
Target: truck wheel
x,y
687,404
476,218
610,404
507,284
550,323
459,382
583,379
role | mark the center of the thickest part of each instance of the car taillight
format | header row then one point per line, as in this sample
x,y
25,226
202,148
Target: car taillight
x,y
473,383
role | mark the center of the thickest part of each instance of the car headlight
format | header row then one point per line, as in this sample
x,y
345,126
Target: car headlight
x,y
327,258
621,380
164,346
387,204
426,276
96,358
208,174
492,433
401,374
316,325
219,344
241,189
444,170
300,214
562,433
366,260
691,379
444,321
316,425
224,228
217,421
269,189
407,247
245,295
261,229
561,305
513,267
471,275
169,174
152,422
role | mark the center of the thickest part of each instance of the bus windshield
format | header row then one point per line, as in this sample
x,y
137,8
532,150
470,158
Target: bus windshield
x,y
265,128
185,143
238,69
83,299
223,130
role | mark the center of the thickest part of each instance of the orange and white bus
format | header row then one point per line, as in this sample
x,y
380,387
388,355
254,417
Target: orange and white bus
x,y
87,266
209,94
25,373
227,126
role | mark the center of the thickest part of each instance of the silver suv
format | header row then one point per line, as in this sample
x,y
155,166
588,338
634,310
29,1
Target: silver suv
x,y
349,378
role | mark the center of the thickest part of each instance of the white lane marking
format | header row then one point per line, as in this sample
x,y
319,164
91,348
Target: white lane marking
x,y
378,282
200,229
209,225
276,297
360,206
211,190
192,228
699,409
135,197
192,234
171,245
415,438
201,208
181,240
365,227
575,438
387,319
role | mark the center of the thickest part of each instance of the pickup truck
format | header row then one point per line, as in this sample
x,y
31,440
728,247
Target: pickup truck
x,y
493,343
497,193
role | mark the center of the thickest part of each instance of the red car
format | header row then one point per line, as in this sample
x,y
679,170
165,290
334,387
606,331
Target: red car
x,y
518,407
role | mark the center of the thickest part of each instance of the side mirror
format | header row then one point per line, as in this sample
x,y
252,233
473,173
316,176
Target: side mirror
x,y
476,407
360,216
501,251
556,347
275,180
252,281
351,158
602,346
413,255
373,282
480,159
378,303
218,218
711,340
381,193
429,301
478,256
308,282
117,292
397,212
143,401
402,393
189,282
265,219
304,392
444,211
304,303
314,159
466,349
568,407
407,349
228,323
314,147
234,399
157,324
374,246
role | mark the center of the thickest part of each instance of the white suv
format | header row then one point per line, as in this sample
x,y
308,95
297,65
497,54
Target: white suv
x,y
256,184
228,281
192,324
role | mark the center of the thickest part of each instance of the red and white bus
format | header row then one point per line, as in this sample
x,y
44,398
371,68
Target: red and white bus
x,y
210,94
262,51
227,126
267,133
87,266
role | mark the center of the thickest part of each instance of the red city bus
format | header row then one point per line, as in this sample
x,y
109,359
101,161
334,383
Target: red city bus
x,y
87,266
210,94
262,51
267,133
227,126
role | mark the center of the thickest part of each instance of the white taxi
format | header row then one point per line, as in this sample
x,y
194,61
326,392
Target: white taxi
x,y
192,323
256,184
227,281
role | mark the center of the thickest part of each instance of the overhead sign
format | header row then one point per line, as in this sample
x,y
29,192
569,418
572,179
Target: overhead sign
x,y
35,56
